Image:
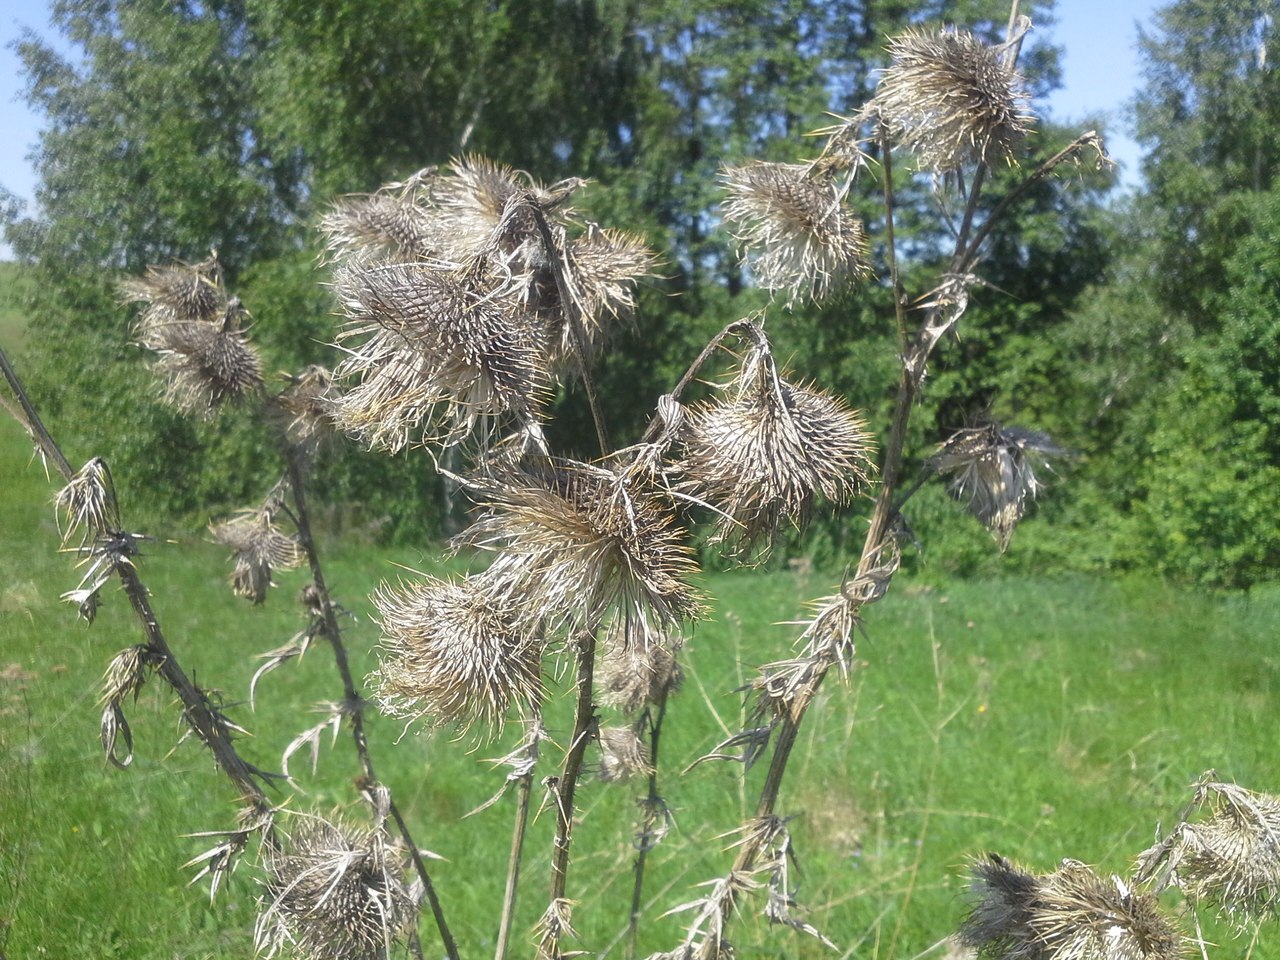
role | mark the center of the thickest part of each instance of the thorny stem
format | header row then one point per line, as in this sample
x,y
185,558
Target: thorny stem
x,y
195,705
351,695
886,158
523,790
650,820
584,720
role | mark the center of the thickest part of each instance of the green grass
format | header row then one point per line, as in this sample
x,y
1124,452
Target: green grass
x,y
1037,718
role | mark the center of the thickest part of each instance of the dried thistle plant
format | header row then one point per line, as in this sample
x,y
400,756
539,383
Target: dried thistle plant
x,y
993,470
393,221
437,352
88,503
765,452
952,99
454,653
1230,859
631,676
603,267
574,541
177,296
259,547
333,892
623,755
306,406
807,240
1069,914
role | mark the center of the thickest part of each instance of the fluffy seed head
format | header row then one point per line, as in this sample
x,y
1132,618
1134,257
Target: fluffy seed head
x,y
1231,859
258,548
208,365
332,892
438,352
574,541
623,756
174,295
453,653
806,239
993,471
1069,914
767,450
632,675
951,99
383,223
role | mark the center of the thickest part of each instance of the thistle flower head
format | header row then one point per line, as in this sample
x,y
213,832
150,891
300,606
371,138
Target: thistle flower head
x,y
207,365
951,99
603,267
1230,859
762,454
307,406
258,548
993,471
440,351
575,541
632,675
88,503
807,240
453,653
175,296
389,222
623,756
332,892
1070,914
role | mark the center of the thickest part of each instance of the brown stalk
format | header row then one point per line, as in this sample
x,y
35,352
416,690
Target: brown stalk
x,y
523,789
195,705
647,827
351,695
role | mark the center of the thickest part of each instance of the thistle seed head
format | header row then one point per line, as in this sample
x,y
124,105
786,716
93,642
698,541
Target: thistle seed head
x,y
307,406
208,365
1231,859
807,240
762,455
395,224
332,892
441,350
952,100
603,267
88,503
175,296
575,541
623,756
1070,914
993,471
454,653
258,548
631,675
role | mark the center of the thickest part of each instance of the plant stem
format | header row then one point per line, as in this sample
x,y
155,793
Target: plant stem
x,y
195,705
523,790
652,802
351,695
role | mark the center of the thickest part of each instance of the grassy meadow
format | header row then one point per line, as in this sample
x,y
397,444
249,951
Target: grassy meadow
x,y
1036,718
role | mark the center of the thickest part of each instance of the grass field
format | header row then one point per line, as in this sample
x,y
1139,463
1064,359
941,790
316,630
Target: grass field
x,y
1037,718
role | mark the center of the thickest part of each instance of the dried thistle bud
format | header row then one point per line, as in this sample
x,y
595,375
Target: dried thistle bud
x,y
623,756
307,405
454,653
383,223
88,503
993,471
632,675
1231,859
763,454
807,239
332,892
441,351
603,268
176,296
576,541
258,548
474,205
1070,914
208,365
952,99
124,679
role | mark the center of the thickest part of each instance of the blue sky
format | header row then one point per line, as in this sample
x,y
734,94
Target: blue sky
x,y
1100,73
